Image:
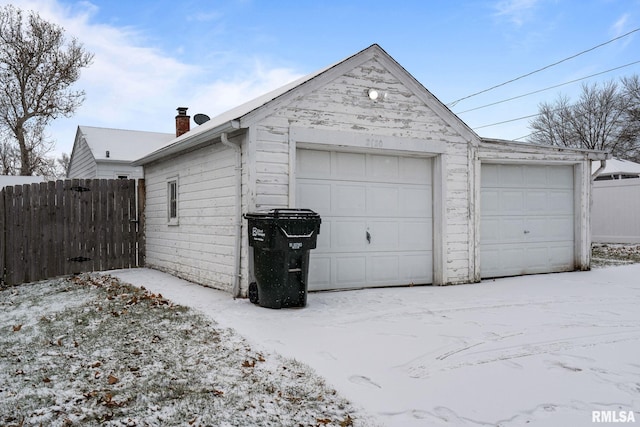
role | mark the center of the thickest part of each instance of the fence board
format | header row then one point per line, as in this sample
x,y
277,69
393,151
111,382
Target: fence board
x,y
64,227
140,236
3,236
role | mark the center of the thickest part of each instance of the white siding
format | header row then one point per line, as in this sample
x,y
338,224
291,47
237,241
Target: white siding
x,y
111,170
83,164
616,211
201,248
342,105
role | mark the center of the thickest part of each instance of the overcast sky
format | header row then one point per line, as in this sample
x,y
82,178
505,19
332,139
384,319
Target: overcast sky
x,y
152,56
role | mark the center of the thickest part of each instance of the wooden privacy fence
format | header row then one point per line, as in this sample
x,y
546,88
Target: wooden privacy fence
x,y
57,228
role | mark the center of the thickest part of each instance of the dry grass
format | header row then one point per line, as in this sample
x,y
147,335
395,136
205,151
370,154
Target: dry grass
x,y
91,350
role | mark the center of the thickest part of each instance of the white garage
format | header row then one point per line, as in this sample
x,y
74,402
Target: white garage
x,y
376,215
527,219
408,194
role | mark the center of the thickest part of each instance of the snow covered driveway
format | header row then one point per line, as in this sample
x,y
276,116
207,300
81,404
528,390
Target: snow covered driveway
x,y
540,350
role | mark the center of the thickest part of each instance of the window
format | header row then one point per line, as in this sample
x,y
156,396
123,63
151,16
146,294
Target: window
x,y
172,201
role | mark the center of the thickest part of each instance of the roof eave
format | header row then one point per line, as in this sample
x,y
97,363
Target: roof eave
x,y
590,154
189,142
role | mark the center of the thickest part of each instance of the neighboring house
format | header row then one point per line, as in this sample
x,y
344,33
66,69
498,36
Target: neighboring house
x,y
407,192
617,169
616,203
108,153
10,180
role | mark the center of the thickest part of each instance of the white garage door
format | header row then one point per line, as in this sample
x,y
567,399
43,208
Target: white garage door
x,y
376,218
527,221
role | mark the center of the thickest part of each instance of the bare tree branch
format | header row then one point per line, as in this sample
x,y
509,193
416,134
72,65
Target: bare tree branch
x,y
606,118
38,66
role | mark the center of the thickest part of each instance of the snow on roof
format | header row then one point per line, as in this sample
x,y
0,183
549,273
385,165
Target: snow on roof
x,y
236,113
123,145
9,180
618,166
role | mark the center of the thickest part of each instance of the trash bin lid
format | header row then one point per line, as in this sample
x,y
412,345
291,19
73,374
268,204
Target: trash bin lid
x,y
288,213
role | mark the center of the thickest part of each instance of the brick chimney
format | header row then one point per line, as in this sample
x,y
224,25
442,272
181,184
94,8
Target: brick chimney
x,y
182,121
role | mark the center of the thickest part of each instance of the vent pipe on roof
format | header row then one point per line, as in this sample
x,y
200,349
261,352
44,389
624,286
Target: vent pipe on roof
x,y
182,121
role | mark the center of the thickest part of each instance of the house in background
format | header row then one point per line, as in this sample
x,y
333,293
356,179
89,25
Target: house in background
x,y
10,180
407,192
618,169
616,203
108,153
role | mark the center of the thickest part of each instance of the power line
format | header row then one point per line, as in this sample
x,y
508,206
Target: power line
x,y
547,88
506,121
452,104
635,92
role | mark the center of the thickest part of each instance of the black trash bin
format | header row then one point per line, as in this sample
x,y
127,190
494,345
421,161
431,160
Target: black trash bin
x,y
281,241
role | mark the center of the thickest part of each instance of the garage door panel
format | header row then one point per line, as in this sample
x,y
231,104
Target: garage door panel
x,y
510,176
536,176
489,177
348,235
320,271
416,234
416,201
560,177
383,168
384,236
348,200
560,229
382,200
415,170
388,197
532,230
323,243
350,270
536,201
349,166
490,230
313,163
413,269
383,268
561,201
511,201
561,257
315,196
512,229
490,201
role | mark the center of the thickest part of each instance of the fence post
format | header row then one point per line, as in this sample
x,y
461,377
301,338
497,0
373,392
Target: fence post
x,y
3,240
141,240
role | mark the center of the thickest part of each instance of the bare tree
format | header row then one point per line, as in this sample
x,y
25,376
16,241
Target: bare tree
x,y
631,135
599,120
37,68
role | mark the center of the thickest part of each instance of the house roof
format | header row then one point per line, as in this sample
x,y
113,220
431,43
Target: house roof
x,y
528,146
224,122
231,119
122,145
618,166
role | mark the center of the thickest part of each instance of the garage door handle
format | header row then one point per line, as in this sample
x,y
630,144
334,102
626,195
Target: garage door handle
x,y
526,232
368,237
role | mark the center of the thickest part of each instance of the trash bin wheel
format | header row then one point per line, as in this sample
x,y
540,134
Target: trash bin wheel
x,y
253,292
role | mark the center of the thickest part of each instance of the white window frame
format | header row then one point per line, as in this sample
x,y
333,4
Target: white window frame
x,y
172,204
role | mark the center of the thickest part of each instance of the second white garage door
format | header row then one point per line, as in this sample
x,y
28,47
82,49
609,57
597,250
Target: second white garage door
x,y
527,219
376,218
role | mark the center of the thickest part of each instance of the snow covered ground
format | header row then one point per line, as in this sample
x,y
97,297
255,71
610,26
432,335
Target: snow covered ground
x,y
543,350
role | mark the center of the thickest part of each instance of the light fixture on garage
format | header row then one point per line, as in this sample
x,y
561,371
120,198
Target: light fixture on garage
x,y
374,95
